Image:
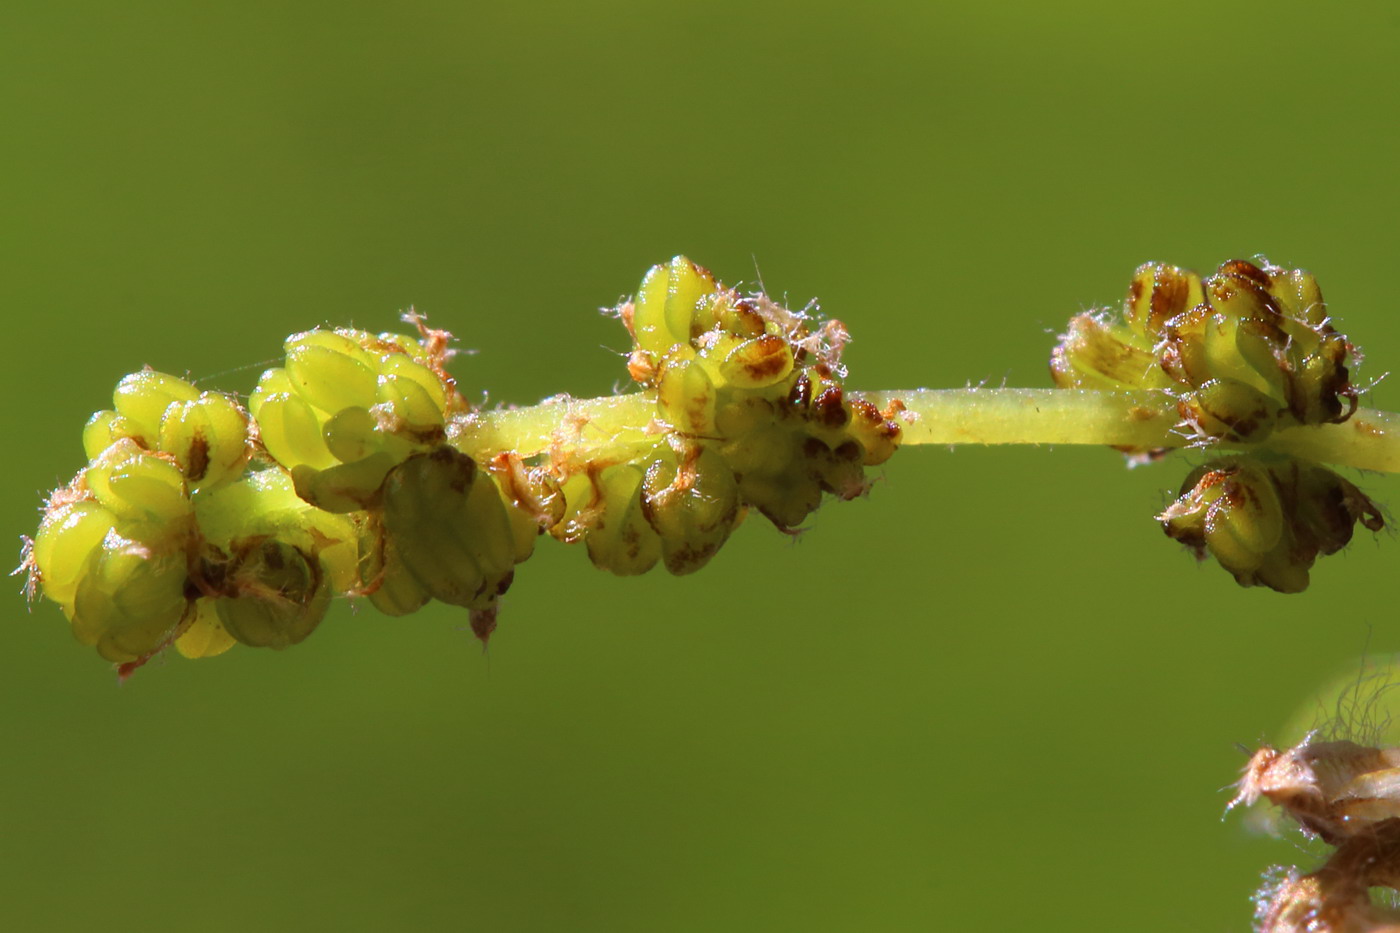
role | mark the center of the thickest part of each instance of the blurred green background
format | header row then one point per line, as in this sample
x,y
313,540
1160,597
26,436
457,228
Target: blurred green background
x,y
993,696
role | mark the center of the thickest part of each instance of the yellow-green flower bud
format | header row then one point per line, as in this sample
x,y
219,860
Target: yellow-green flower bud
x,y
142,398
666,304
693,506
131,599
413,397
105,428
289,428
620,540
331,371
68,537
686,397
139,487
208,438
351,435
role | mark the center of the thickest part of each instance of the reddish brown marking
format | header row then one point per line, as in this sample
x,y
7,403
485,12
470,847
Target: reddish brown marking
x,y
1134,291
767,357
801,393
198,458
866,411
1367,428
748,319
1169,290
483,623
704,273
1243,269
828,408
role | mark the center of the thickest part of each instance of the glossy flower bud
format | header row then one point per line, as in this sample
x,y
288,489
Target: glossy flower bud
x,y
289,428
692,505
331,371
68,537
142,398
666,304
686,397
620,539
104,429
208,437
139,487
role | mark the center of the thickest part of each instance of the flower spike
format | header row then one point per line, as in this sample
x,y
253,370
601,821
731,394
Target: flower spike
x,y
358,468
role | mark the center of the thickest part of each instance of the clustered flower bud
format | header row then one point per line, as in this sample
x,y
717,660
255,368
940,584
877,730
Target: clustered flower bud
x,y
1266,521
164,538
749,413
1245,351
168,538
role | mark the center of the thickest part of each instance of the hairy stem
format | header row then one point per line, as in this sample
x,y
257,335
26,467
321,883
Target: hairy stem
x,y
1369,440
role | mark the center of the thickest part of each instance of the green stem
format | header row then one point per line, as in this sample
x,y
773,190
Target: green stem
x,y
572,422
1369,440
1033,416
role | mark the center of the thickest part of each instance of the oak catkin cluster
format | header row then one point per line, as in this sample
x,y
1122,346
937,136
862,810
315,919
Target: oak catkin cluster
x,y
201,523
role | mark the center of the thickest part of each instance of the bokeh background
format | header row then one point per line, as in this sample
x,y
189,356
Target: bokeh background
x,y
992,696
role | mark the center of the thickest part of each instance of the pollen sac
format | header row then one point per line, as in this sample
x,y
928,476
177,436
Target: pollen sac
x,y
1267,521
349,406
1247,350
